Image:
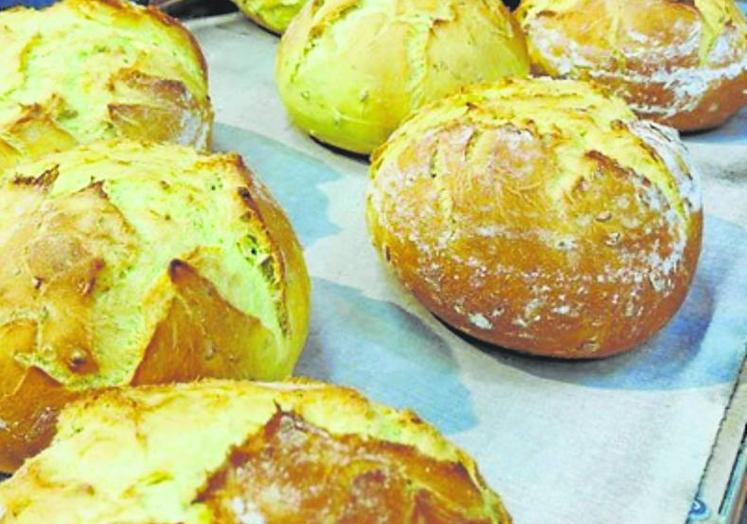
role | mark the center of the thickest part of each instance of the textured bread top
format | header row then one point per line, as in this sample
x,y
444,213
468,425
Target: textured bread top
x,y
106,247
686,47
540,213
274,15
349,71
294,452
579,118
82,70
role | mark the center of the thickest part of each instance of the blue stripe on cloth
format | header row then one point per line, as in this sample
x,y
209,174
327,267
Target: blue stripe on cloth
x,y
4,4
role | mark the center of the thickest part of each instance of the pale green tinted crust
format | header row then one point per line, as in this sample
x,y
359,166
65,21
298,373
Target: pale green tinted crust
x,y
178,217
83,70
349,71
274,15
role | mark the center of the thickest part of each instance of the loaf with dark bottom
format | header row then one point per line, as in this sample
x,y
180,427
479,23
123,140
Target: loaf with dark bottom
x,y
539,215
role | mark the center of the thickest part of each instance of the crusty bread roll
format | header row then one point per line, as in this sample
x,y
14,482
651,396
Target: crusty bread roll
x,y
539,215
238,452
680,63
273,15
128,263
349,72
83,70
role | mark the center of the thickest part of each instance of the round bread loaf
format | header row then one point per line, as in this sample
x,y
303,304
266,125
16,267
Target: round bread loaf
x,y
237,452
680,63
273,15
349,72
539,215
83,70
128,263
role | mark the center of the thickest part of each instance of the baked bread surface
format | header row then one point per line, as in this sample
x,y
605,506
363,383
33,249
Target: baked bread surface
x,y
539,215
349,71
681,63
295,452
83,70
273,15
134,263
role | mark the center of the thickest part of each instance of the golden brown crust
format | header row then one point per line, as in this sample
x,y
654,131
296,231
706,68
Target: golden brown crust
x,y
292,471
512,231
683,64
67,250
52,256
168,111
287,452
29,416
32,135
201,335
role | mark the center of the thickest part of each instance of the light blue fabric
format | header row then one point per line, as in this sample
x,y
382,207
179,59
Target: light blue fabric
x,y
702,346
